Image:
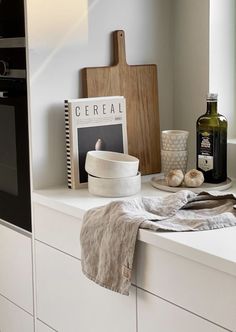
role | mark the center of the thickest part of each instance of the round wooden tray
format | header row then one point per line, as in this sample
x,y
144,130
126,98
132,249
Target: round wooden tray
x,y
160,183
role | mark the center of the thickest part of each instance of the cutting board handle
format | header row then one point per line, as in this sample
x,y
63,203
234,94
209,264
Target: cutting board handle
x,y
119,47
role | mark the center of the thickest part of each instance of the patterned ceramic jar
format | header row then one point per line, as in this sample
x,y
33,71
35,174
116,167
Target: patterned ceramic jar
x,y
174,140
173,160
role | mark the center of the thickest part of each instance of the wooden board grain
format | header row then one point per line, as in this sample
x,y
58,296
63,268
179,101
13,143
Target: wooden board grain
x,y
138,83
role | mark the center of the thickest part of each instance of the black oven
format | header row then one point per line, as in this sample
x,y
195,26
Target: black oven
x,y
12,18
15,206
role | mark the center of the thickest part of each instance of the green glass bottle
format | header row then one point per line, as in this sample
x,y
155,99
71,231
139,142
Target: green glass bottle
x,y
212,143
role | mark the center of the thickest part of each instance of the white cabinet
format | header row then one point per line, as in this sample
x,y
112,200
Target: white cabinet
x,y
41,327
174,293
16,281
69,302
57,229
195,287
14,319
157,315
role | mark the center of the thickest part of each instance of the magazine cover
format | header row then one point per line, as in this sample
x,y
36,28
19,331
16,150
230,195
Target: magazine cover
x,y
92,124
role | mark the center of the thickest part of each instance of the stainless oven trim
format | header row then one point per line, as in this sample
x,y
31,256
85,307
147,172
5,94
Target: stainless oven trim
x,y
12,42
15,73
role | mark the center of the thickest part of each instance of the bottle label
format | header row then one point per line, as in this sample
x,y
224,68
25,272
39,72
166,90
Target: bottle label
x,y
205,156
205,163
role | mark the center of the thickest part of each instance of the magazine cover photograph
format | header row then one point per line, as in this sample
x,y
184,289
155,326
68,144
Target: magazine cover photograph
x,y
92,124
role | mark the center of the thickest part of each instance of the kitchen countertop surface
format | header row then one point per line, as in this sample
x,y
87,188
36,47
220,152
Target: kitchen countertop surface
x,y
214,248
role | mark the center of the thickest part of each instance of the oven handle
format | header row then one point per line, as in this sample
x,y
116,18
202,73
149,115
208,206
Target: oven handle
x,y
3,94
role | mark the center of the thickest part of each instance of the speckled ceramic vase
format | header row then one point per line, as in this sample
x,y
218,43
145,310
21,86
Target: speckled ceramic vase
x,y
174,154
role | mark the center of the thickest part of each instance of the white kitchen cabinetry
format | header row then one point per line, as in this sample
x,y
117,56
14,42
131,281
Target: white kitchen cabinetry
x,y
16,281
69,302
41,327
182,281
202,290
156,314
57,229
13,318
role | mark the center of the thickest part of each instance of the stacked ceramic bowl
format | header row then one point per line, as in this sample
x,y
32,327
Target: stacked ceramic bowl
x,y
112,174
174,154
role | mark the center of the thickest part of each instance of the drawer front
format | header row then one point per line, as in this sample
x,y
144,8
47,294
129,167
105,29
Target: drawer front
x,y
202,290
155,314
41,327
16,277
14,319
67,301
57,229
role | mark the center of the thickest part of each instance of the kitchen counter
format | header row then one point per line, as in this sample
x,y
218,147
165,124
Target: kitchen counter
x,y
188,276
214,248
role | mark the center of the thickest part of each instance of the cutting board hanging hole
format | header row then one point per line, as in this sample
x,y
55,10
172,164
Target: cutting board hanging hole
x,y
119,47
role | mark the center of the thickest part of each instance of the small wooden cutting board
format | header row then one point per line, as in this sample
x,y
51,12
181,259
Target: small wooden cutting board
x,y
138,83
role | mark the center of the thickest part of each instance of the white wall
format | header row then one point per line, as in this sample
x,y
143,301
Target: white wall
x,y
222,58
222,70
231,151
191,66
63,38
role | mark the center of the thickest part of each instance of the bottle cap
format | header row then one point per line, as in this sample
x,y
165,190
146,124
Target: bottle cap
x,y
212,96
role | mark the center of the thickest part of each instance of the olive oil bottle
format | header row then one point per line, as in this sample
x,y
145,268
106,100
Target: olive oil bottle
x,y
212,143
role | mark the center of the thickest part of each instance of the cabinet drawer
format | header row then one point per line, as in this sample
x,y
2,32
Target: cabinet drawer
x,y
155,314
16,267
14,319
202,290
68,302
57,229
40,327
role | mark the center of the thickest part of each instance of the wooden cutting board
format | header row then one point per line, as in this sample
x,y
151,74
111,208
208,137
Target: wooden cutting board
x,y
138,83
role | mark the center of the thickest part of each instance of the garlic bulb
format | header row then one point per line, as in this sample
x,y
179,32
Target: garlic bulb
x,y
174,178
193,178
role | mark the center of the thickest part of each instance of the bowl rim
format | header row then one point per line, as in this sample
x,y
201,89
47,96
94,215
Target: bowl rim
x,y
98,154
138,175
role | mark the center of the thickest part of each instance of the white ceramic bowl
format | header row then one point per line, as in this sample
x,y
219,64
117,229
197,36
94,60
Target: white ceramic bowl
x,y
108,164
173,160
175,140
114,187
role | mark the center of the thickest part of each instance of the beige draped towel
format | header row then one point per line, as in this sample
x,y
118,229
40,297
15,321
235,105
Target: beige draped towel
x,y
109,232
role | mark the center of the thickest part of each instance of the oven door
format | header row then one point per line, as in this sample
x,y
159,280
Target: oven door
x,y
12,18
15,206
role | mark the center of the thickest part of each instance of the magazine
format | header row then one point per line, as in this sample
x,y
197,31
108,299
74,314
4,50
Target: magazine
x,y
92,124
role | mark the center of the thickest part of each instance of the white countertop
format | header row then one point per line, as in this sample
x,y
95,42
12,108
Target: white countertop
x,y
214,248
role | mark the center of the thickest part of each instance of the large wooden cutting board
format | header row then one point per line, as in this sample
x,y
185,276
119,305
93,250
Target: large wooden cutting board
x,y
138,83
